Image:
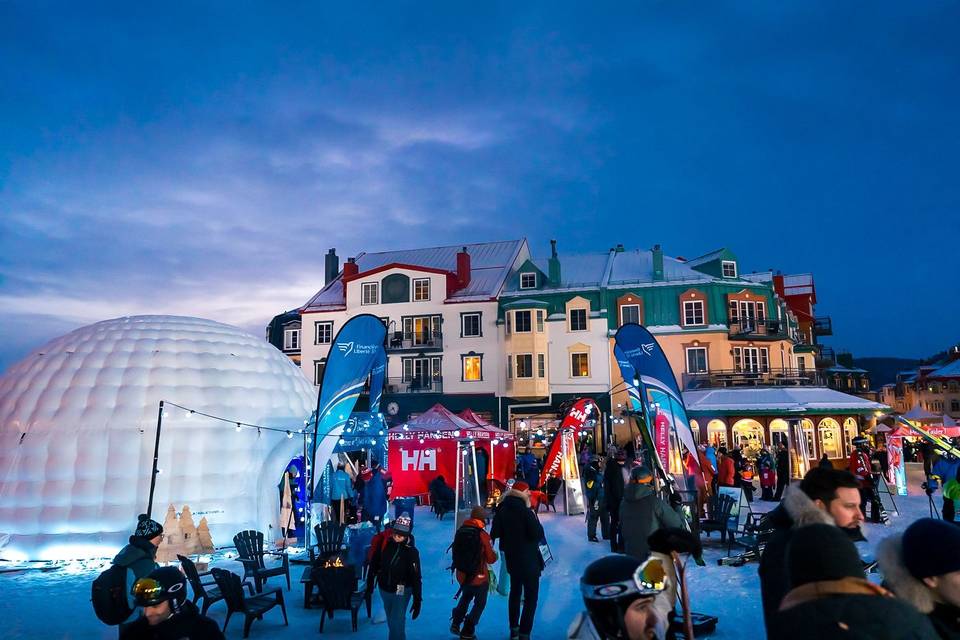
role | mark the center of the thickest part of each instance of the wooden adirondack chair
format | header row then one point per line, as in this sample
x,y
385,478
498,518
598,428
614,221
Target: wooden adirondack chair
x,y
338,590
329,537
720,508
252,607
250,549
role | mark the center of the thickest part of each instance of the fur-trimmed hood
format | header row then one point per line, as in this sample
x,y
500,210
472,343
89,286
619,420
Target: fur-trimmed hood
x,y
513,493
896,575
802,510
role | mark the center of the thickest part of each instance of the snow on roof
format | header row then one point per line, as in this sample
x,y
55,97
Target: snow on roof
x,y
919,413
841,369
637,266
951,370
576,270
782,400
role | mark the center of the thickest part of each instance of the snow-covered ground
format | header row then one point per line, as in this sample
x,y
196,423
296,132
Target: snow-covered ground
x,y
57,604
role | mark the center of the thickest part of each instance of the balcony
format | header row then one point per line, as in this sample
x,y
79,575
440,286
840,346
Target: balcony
x,y
414,385
823,326
414,341
826,357
720,378
757,328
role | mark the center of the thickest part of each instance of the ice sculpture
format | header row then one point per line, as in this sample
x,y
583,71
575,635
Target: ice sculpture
x,y
78,419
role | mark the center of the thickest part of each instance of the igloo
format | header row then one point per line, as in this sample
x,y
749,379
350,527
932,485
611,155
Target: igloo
x,y
78,420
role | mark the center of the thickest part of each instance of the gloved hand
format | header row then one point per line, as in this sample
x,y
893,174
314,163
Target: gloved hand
x,y
674,539
415,609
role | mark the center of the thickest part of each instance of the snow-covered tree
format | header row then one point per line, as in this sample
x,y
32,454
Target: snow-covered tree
x,y
203,537
191,544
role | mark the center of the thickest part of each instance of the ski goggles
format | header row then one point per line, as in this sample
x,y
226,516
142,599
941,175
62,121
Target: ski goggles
x,y
648,580
148,592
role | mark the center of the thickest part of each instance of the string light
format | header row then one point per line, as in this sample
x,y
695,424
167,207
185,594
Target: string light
x,y
238,427
289,435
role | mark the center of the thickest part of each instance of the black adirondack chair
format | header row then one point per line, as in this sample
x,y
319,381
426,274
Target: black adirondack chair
x,y
329,537
720,508
208,591
250,549
553,488
338,590
252,607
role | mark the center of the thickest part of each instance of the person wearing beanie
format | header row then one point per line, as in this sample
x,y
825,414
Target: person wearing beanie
x,y
726,469
395,569
642,513
922,567
830,596
166,611
472,554
377,483
613,487
824,496
520,533
594,495
138,556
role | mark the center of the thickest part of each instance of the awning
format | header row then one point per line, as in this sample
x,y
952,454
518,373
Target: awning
x,y
779,401
919,414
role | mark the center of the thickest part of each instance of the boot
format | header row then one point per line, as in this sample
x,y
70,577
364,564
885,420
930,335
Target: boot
x,y
454,627
514,633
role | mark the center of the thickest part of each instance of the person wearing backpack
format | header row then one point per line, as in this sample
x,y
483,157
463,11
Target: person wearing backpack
x,y
472,552
596,501
166,611
395,569
113,600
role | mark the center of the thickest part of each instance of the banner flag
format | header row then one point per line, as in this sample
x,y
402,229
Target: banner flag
x,y
576,417
932,438
658,387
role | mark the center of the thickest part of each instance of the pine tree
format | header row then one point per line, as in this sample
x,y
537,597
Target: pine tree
x,y
191,544
203,537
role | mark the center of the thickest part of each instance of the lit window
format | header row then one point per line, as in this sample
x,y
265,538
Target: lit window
x,y
580,365
472,370
524,365
323,332
371,293
729,269
521,321
470,325
629,313
693,312
578,319
697,360
528,280
291,339
421,289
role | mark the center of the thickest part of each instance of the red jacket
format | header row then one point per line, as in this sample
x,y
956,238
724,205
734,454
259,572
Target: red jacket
x,y
489,555
727,472
860,467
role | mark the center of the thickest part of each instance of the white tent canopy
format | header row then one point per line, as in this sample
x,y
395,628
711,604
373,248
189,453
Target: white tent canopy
x,y
918,414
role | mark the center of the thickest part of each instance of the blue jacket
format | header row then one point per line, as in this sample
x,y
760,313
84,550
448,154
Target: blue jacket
x,y
529,469
946,468
375,494
341,486
711,454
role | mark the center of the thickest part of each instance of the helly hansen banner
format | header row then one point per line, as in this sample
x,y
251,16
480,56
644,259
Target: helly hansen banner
x,y
570,428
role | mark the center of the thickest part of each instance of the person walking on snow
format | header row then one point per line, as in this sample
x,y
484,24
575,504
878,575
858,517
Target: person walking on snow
x,y
615,478
783,471
726,469
471,546
395,569
861,469
596,501
139,555
376,493
768,474
528,467
642,513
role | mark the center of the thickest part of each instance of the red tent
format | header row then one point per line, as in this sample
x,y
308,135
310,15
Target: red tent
x,y
425,447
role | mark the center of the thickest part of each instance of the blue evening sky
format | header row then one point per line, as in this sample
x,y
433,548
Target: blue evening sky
x,y
200,160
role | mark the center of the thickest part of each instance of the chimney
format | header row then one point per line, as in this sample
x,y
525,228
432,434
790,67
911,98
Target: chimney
x,y
331,266
620,248
553,266
350,269
657,263
463,268
778,284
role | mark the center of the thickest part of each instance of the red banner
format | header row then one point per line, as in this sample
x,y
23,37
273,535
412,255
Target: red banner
x,y
576,417
661,438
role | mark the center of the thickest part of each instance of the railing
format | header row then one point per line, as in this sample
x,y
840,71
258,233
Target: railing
x,y
826,356
823,326
758,327
718,378
414,385
407,341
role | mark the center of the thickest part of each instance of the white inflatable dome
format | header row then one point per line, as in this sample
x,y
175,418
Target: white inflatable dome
x,y
78,421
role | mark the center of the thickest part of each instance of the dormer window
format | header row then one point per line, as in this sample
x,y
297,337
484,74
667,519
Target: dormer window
x,y
729,268
528,280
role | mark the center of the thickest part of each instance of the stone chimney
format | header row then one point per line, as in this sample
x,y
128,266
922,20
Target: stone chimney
x,y
331,266
553,266
463,268
657,263
350,269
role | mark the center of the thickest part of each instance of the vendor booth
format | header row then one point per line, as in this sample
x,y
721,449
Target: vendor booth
x,y
426,447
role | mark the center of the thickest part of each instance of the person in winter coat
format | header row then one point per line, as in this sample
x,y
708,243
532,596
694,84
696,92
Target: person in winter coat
x,y
768,474
376,493
825,462
783,471
341,493
395,569
596,501
615,478
726,470
139,554
442,495
746,471
167,614
946,468
528,468
711,452
830,598
519,531
824,496
922,566
642,513
862,469
473,587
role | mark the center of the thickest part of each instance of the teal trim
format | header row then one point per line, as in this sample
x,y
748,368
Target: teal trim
x,y
526,303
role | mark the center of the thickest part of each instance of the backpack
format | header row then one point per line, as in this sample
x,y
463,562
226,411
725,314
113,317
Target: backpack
x,y
109,595
467,552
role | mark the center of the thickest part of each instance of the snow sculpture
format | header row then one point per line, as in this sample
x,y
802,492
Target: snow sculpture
x,y
78,420
203,535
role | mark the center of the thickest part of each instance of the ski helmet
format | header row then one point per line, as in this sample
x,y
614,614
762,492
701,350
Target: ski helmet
x,y
612,583
165,583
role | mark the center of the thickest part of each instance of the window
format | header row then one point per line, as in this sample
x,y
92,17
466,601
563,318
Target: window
x,y
954,406
371,293
291,339
472,368
830,441
541,365
318,367
578,319
751,359
521,321
421,372
693,312
540,316
421,289
528,280
729,268
580,365
524,365
470,325
509,367
506,320
734,311
323,332
629,313
422,330
697,360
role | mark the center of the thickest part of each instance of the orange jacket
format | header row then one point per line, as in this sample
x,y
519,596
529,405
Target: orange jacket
x,y
727,471
489,555
707,467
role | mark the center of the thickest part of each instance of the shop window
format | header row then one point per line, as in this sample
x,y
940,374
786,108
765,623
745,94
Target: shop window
x,y
850,432
830,443
717,433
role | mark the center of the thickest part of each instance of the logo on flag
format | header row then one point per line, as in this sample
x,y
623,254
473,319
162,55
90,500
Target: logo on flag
x,y
345,347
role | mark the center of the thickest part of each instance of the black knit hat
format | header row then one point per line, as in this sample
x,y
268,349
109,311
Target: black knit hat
x,y
147,528
821,552
931,548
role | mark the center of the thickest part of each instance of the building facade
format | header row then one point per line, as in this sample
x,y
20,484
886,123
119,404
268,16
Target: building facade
x,y
934,388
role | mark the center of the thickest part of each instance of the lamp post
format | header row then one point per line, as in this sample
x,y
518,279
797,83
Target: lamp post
x,y
156,456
